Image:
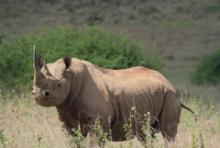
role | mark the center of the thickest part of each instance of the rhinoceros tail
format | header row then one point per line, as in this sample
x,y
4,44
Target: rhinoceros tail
x,y
190,110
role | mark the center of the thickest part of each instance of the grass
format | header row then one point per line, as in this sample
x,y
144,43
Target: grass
x,y
25,124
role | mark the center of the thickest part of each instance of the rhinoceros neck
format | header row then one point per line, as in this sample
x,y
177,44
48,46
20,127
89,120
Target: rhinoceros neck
x,y
76,82
68,110
88,86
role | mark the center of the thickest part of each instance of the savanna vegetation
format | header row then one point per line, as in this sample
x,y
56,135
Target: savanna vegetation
x,y
100,47
183,33
207,69
25,124
19,113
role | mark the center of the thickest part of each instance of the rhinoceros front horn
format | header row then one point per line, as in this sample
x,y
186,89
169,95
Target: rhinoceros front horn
x,y
37,64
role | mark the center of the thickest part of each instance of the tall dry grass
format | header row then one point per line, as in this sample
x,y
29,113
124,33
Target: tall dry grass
x,y
23,124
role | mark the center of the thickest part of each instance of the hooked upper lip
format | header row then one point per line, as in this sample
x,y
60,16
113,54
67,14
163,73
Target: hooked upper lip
x,y
40,97
39,94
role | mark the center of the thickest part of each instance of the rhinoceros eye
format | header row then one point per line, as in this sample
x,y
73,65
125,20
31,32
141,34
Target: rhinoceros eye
x,y
59,85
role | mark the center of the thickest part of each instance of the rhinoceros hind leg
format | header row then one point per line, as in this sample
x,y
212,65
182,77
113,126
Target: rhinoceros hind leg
x,y
170,116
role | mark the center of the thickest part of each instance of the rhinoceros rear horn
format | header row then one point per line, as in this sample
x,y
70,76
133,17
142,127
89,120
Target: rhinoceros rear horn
x,y
67,61
37,63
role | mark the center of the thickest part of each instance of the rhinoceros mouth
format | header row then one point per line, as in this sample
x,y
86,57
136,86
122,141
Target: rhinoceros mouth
x,y
43,103
41,96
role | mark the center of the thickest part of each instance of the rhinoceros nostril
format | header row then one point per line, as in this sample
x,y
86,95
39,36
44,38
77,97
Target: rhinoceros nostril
x,y
46,93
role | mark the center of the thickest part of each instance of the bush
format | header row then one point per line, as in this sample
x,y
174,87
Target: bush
x,y
208,69
92,43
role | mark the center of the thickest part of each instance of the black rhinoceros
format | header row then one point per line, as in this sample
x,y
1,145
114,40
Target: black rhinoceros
x,y
82,91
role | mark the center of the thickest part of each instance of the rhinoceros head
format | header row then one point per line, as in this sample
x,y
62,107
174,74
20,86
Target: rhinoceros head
x,y
51,82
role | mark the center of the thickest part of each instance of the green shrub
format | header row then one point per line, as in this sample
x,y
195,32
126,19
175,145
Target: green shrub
x,y
92,43
208,69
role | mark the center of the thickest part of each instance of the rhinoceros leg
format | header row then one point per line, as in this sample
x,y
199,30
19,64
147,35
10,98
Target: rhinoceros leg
x,y
170,116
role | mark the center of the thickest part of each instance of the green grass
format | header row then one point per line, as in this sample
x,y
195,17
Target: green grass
x,y
94,44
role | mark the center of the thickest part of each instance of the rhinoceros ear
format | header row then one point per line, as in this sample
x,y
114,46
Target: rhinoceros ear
x,y
67,61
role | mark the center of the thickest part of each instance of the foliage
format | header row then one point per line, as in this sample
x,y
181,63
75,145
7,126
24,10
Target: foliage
x,y
146,128
90,43
78,138
2,136
100,133
208,69
128,128
2,139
